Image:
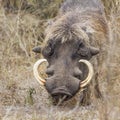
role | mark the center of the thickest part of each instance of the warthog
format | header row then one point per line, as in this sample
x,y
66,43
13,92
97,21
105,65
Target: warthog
x,y
78,33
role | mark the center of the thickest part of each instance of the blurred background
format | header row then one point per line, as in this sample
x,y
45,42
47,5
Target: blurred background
x,y
22,24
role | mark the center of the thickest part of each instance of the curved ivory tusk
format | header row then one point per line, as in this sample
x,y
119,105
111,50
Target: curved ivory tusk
x,y
90,74
35,71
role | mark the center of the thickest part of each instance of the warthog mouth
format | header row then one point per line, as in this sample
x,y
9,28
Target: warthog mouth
x,y
60,93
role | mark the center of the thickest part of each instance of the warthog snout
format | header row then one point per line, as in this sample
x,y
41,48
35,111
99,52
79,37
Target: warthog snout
x,y
59,89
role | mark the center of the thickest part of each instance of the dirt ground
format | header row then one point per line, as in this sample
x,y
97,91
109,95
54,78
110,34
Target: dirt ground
x,y
22,98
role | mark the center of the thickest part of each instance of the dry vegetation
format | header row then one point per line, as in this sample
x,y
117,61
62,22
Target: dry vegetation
x,y
21,97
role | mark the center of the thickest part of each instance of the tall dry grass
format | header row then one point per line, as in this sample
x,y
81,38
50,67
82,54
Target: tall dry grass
x,y
21,96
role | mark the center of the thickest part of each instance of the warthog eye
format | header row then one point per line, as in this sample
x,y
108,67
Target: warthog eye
x,y
82,50
48,51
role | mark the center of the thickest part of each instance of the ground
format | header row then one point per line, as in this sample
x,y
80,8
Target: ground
x,y
22,98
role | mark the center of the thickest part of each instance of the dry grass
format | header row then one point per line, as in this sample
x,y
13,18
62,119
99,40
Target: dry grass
x,y
21,97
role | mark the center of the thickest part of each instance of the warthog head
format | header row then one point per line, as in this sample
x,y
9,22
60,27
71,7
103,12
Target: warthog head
x,y
68,68
67,52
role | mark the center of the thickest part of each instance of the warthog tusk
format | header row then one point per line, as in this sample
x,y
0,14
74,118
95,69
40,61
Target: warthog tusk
x,y
90,73
35,71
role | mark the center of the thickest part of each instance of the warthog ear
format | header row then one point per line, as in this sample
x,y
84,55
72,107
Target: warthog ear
x,y
94,51
37,49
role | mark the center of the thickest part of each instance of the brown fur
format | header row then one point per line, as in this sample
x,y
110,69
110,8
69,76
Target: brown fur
x,y
89,26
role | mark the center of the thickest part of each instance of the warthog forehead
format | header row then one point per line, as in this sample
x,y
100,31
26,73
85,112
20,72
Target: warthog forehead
x,y
66,30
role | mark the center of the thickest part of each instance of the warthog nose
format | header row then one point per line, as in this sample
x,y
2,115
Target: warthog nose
x,y
60,93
